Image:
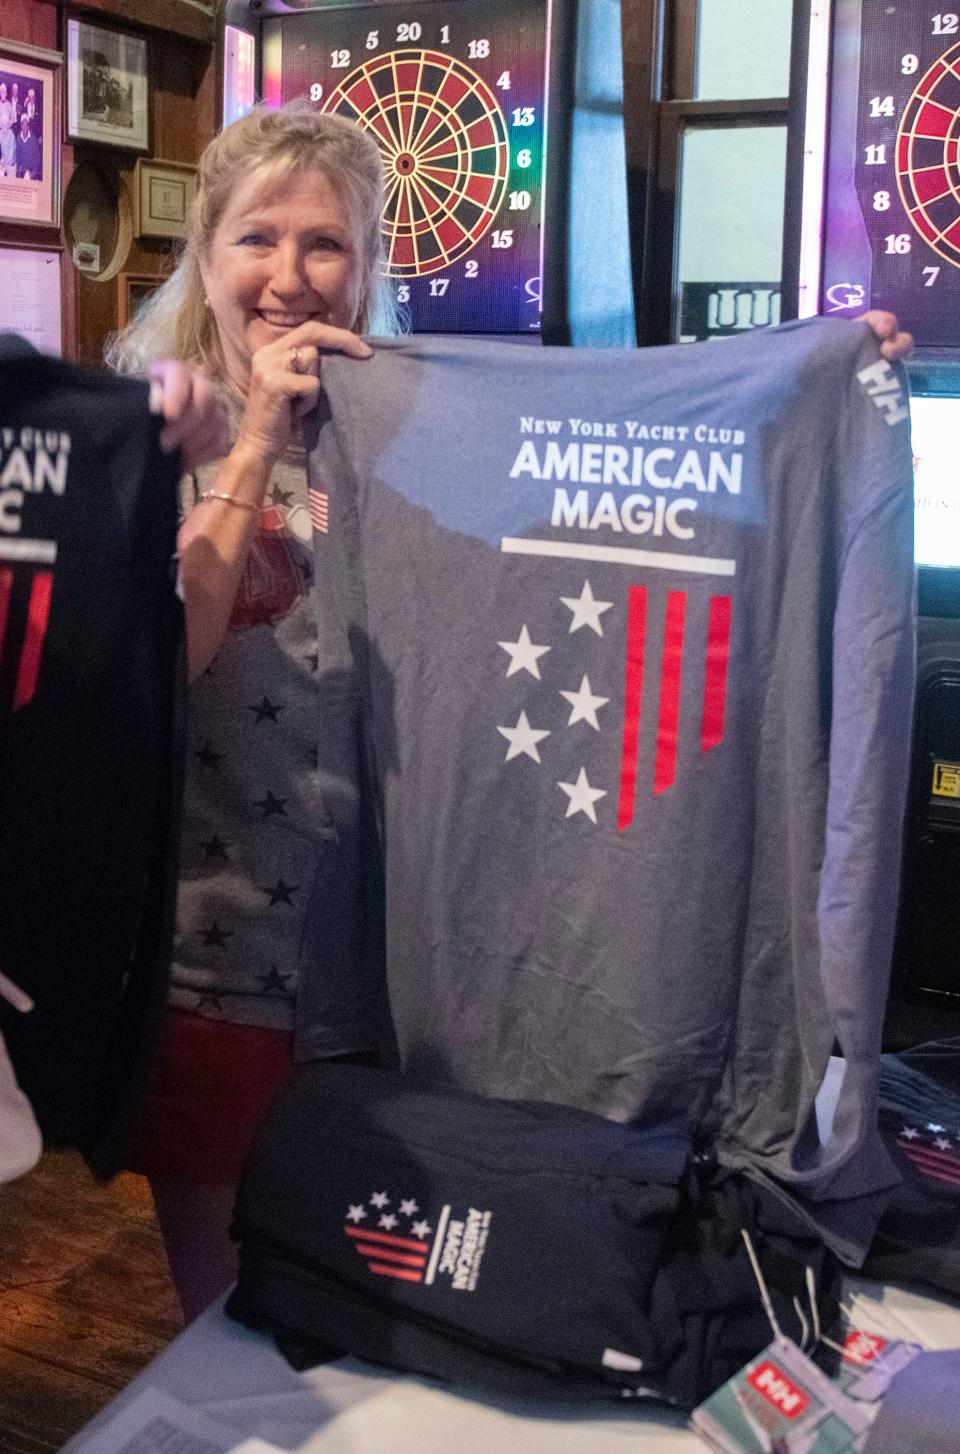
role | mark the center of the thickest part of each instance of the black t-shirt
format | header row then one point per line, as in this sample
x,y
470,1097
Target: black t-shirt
x,y
90,665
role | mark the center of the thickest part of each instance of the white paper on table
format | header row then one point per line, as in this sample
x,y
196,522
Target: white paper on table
x,y
156,1423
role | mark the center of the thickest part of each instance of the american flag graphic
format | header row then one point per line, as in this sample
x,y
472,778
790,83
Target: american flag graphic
x,y
22,632
933,1150
399,1255
661,649
318,503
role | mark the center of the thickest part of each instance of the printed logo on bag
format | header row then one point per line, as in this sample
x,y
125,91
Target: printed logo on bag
x,y
33,473
862,1347
778,1390
933,1150
397,1241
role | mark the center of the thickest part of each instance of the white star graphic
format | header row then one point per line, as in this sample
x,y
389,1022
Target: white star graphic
x,y
582,796
421,1229
932,1127
356,1214
522,739
586,611
943,1144
910,1133
584,705
524,655
408,1206
379,1199
388,1221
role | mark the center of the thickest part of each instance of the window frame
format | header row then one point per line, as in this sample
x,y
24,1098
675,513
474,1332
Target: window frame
x,y
659,60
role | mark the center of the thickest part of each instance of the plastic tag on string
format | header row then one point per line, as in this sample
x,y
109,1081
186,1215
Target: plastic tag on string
x,y
782,1403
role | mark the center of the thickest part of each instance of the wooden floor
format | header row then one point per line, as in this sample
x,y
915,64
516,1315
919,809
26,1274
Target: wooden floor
x,y
85,1299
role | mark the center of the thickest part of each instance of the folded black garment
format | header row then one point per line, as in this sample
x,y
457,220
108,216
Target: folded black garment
x,y
504,1245
918,1239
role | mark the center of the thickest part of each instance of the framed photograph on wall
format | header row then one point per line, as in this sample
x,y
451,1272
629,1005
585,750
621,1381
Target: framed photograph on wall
x,y
133,292
107,92
163,192
29,135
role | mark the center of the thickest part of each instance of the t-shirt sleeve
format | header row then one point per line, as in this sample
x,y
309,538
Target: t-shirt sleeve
x,y
874,633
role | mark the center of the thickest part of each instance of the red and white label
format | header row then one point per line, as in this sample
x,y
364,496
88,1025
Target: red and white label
x,y
778,1390
862,1347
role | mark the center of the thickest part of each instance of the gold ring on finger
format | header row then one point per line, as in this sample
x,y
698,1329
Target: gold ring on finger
x,y
296,362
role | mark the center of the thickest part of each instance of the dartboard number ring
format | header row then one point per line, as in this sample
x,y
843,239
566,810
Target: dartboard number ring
x,y
445,148
928,164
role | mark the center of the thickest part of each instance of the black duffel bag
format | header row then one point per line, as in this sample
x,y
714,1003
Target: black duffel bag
x,y
506,1245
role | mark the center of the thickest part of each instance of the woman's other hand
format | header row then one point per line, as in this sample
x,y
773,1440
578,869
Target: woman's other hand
x,y
195,419
285,383
893,344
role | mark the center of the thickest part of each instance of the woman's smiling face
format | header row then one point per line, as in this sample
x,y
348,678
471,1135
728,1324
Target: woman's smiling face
x,y
279,259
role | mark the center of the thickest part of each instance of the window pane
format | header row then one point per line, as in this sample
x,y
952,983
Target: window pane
x,y
743,49
730,230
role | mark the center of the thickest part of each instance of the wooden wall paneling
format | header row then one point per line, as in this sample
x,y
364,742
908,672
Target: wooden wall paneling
x,y
182,121
183,118
179,16
34,22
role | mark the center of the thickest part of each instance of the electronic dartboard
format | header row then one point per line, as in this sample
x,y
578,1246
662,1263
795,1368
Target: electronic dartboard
x,y
454,94
892,235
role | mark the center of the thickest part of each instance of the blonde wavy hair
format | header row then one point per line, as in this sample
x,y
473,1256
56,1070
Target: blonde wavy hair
x,y
176,321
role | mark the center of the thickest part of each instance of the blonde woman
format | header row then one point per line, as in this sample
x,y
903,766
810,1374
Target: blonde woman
x,y
283,263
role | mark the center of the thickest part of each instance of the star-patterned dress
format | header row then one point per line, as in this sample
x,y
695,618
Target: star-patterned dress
x,y
256,828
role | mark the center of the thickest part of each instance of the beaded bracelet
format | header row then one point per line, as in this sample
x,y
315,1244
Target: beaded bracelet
x,y
230,499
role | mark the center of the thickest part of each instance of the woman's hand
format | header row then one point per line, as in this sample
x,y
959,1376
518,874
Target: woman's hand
x,y
893,344
285,384
195,420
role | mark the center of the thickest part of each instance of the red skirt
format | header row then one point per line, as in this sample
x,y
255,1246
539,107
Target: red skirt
x,y
209,1089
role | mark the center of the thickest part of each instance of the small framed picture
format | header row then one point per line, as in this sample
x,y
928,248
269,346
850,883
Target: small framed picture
x,y
107,93
30,300
29,135
163,192
134,290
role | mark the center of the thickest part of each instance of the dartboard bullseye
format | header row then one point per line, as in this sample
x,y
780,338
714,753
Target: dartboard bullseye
x,y
445,148
928,168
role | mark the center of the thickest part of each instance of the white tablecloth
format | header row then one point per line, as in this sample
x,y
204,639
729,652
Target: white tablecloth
x,y
239,1379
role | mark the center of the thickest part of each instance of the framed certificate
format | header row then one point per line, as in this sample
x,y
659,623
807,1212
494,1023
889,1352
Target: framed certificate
x,y
30,299
163,194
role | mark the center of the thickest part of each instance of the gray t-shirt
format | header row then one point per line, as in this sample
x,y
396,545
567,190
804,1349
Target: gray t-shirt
x,y
635,636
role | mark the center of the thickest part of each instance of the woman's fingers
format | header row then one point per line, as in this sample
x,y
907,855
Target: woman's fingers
x,y
194,415
195,419
894,344
324,338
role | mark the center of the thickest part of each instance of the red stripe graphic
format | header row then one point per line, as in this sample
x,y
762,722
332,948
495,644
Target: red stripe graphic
x,y
671,672
409,1243
632,693
383,1271
403,1259
6,587
38,613
941,1165
318,503
715,677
